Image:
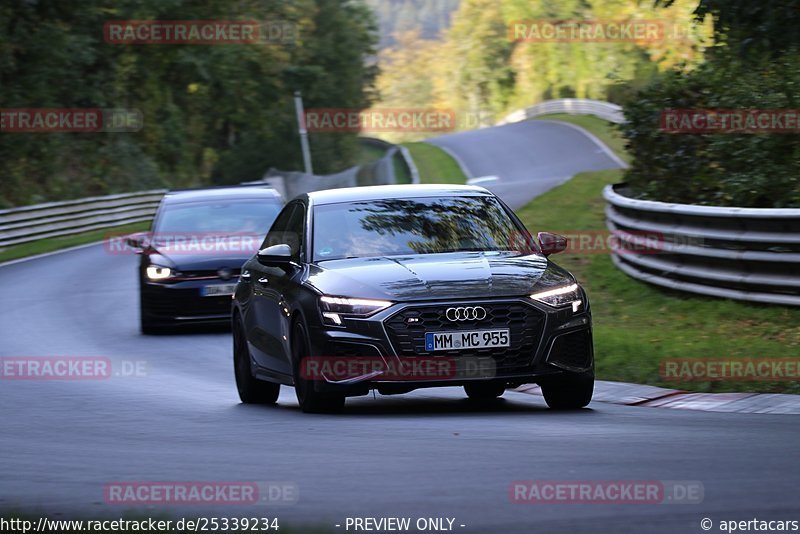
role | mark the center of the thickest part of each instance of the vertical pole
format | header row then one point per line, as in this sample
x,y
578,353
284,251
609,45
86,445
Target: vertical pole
x,y
301,126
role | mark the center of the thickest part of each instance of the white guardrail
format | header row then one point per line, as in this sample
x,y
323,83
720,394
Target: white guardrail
x,y
55,219
739,253
749,254
573,106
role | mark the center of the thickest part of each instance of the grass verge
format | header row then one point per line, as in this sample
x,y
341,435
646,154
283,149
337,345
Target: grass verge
x,y
57,243
368,153
401,172
435,166
637,325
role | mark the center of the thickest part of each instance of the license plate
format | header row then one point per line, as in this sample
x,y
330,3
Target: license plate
x,y
472,339
218,290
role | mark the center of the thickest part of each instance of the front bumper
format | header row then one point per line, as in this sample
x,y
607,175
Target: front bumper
x,y
544,342
183,302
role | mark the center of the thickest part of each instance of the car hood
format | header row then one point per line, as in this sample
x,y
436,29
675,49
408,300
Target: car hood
x,y
435,276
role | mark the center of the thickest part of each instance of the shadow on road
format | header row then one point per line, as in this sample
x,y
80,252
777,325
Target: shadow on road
x,y
190,329
422,406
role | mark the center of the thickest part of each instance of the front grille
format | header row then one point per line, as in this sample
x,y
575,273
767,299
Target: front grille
x,y
524,322
572,350
208,275
186,303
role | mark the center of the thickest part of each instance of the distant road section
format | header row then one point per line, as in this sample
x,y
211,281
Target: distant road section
x,y
528,158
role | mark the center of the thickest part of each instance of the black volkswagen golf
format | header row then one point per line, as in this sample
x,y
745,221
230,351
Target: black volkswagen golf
x,y
190,260
394,288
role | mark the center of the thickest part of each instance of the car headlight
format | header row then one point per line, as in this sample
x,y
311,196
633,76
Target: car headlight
x,y
334,308
560,296
157,272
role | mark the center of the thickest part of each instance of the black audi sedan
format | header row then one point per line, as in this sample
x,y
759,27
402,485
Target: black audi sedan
x,y
191,258
394,288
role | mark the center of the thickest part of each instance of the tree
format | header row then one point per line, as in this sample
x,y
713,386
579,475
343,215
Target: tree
x,y
212,113
754,26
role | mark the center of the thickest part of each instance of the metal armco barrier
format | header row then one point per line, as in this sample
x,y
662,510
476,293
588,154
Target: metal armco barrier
x,y
53,219
378,172
750,254
573,106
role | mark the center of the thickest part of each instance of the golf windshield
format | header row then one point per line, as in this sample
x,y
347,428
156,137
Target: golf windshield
x,y
220,217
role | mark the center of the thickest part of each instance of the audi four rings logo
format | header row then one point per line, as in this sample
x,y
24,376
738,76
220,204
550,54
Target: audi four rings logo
x,y
468,313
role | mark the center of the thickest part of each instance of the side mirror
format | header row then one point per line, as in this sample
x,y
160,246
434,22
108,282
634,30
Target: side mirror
x,y
138,241
551,243
275,256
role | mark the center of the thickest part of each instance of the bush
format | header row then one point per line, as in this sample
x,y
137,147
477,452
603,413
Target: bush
x,y
749,170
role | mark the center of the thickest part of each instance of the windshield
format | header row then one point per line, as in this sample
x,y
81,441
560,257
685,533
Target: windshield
x,y
221,217
412,226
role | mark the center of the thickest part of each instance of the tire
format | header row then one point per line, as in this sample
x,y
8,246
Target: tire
x,y
251,390
484,391
310,400
570,391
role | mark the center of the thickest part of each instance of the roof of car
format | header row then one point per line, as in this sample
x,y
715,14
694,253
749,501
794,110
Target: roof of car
x,y
234,192
381,192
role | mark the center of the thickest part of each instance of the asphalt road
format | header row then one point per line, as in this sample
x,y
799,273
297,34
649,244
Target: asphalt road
x,y
429,453
426,454
528,158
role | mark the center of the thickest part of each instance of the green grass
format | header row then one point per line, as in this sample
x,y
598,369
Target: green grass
x,y
401,172
57,243
435,165
605,131
367,153
636,325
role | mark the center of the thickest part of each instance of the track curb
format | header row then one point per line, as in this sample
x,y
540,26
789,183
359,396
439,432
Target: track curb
x,y
656,397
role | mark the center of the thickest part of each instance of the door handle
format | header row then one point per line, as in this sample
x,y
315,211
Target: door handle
x,y
245,275
263,280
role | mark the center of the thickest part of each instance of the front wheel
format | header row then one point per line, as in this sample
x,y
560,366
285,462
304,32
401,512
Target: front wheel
x,y
569,391
310,400
251,390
